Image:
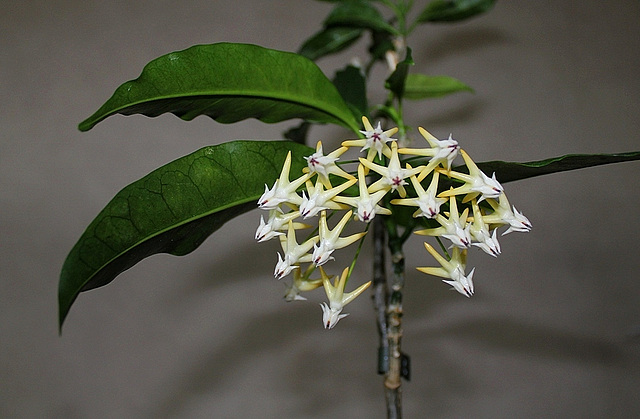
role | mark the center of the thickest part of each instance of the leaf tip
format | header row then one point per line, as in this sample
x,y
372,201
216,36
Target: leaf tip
x,y
85,125
63,310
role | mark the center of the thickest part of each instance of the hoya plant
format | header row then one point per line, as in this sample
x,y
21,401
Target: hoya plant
x,y
386,181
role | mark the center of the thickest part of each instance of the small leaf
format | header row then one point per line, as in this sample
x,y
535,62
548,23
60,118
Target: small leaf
x,y
230,82
351,84
511,171
329,41
387,112
454,10
421,86
358,14
381,43
396,80
298,133
173,210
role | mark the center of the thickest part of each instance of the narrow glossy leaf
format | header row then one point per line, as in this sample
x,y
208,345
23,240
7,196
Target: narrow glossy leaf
x,y
230,82
422,86
351,84
453,10
511,171
396,80
358,14
329,41
173,210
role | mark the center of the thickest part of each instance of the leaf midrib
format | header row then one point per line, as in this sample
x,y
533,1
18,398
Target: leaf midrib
x,y
315,105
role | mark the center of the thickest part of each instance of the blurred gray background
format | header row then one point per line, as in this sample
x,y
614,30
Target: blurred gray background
x,y
551,332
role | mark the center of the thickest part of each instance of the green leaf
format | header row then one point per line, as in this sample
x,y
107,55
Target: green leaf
x,y
358,14
329,41
421,86
351,84
381,43
230,82
173,210
298,133
396,80
511,171
453,10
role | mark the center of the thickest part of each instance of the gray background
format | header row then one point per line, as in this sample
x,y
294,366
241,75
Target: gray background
x,y
551,332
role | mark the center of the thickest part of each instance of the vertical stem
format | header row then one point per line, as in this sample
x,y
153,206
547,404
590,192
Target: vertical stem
x,y
393,378
380,292
389,314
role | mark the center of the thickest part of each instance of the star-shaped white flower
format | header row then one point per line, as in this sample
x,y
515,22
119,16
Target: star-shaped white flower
x,y
393,175
276,223
455,228
366,204
375,140
294,253
480,233
504,214
427,202
326,165
283,190
330,240
319,199
452,269
331,313
441,152
475,183
301,282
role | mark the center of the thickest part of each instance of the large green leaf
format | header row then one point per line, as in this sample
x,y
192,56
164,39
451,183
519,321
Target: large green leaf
x,y
230,82
173,210
453,10
422,86
351,84
511,171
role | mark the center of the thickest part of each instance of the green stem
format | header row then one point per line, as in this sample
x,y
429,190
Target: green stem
x,y
355,257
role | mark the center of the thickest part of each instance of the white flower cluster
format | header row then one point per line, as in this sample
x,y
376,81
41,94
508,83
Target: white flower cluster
x,y
289,210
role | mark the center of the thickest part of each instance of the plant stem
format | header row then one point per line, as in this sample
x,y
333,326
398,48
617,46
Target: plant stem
x,y
389,313
393,379
380,292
